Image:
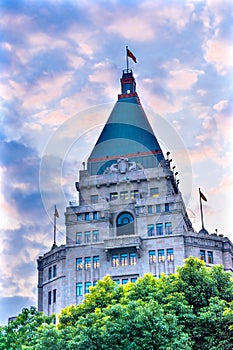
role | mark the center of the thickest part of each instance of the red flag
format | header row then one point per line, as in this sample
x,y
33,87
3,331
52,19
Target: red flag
x,y
56,212
202,196
131,55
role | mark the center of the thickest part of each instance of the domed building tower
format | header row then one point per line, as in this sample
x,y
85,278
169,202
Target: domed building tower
x,y
130,218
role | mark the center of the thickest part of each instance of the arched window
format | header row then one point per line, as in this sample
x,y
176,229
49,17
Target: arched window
x,y
125,224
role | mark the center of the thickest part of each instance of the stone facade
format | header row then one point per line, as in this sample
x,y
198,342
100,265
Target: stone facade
x,y
130,220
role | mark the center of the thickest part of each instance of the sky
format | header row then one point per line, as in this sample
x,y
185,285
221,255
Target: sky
x,y
60,66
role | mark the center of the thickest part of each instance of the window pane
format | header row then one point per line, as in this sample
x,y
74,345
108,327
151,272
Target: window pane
x,y
170,254
124,280
154,192
49,297
95,215
167,207
79,289
113,196
94,198
79,263
161,255
117,281
87,237
158,208
133,279
87,262
115,260
124,195
152,257
202,255
159,229
149,208
54,270
54,295
150,230
96,262
124,259
79,217
132,259
168,228
95,236
87,286
87,216
50,273
95,283
134,194
210,257
78,237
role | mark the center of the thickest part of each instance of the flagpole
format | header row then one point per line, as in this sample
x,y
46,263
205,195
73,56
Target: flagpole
x,y
54,228
202,218
127,59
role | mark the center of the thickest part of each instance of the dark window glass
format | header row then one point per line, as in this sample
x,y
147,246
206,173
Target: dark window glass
x,y
54,295
55,271
87,287
79,263
96,262
95,236
161,255
79,289
87,263
49,297
150,230
168,228
202,255
152,257
124,259
159,229
170,254
167,207
78,237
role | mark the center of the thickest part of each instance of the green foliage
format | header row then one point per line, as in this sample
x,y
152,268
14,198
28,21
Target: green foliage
x,y
189,310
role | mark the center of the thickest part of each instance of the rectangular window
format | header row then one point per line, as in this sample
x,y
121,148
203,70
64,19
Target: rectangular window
x,y
79,217
158,208
113,196
95,236
133,279
94,198
124,259
54,295
161,255
96,262
159,229
170,254
87,287
152,257
134,194
54,270
210,258
50,273
149,209
202,255
124,280
154,192
150,230
95,283
115,260
78,237
49,297
168,228
167,207
117,281
87,263
79,264
124,195
95,215
132,259
87,237
87,216
79,289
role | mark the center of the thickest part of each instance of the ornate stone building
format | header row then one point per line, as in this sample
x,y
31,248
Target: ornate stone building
x,y
130,219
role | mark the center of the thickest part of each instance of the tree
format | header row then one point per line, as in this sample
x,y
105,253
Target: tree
x,y
190,310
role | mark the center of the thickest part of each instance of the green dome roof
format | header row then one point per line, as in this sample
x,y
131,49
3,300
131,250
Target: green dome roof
x,y
127,133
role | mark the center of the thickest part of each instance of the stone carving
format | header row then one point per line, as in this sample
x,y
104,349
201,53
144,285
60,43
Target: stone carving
x,y
123,166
